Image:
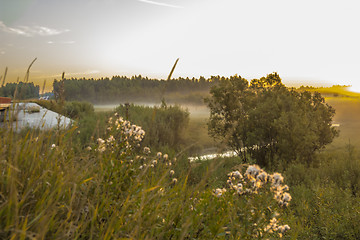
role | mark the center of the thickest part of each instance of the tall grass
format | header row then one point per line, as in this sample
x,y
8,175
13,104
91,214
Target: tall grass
x,y
52,188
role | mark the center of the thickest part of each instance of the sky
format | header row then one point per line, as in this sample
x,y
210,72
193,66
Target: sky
x,y
308,42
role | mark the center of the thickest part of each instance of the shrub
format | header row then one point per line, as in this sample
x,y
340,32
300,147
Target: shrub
x,y
164,126
269,121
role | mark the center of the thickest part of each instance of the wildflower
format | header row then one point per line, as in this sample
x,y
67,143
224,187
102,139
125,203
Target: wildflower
x,y
88,148
110,139
237,174
272,226
102,149
53,146
100,141
166,157
277,179
142,132
286,197
257,184
172,172
252,170
238,188
248,190
284,228
154,162
159,154
219,192
174,180
262,176
146,150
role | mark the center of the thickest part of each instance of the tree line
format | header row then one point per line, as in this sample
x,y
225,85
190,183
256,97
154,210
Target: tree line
x,y
135,88
20,90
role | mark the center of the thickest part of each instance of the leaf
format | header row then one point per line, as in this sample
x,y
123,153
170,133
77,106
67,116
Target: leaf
x,y
151,189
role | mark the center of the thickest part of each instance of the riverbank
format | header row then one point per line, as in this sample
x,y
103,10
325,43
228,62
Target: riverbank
x,y
32,115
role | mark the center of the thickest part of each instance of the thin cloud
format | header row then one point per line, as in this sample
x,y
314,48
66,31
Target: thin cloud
x,y
89,72
61,42
160,4
32,31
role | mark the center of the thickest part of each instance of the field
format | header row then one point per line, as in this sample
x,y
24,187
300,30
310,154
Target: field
x,y
95,182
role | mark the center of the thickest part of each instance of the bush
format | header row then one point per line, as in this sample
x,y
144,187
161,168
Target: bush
x,y
75,110
269,121
164,126
33,109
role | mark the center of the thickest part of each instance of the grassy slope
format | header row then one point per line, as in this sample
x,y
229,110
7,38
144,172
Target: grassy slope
x,y
347,106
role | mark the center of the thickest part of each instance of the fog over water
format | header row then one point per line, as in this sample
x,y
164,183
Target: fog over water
x,y
196,111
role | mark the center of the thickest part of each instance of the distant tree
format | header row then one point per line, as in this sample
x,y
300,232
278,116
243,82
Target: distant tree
x,y
124,89
23,90
268,121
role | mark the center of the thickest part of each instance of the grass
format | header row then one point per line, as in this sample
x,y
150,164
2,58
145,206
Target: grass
x,y
58,185
334,91
33,109
348,116
52,188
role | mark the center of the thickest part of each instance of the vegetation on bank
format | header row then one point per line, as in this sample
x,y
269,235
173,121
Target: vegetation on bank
x,y
101,179
73,110
115,188
269,122
135,89
20,91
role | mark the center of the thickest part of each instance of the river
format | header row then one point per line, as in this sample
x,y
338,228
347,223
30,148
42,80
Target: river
x,y
34,116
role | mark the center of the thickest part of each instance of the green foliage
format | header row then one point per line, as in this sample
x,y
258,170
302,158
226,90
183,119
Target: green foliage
x,y
73,110
272,123
326,197
53,189
164,126
135,89
213,173
33,109
20,90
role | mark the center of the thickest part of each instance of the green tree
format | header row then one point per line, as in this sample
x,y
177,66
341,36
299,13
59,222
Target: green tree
x,y
267,121
23,90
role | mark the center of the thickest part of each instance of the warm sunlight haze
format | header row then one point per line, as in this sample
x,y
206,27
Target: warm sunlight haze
x,y
307,42
179,119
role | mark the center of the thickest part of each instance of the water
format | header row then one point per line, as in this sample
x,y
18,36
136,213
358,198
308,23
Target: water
x,y
196,111
212,156
44,119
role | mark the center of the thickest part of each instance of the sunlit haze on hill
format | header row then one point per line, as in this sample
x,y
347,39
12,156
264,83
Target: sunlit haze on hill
x,y
306,42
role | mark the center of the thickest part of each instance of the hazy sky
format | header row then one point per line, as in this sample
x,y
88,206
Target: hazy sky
x,y
310,42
